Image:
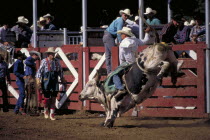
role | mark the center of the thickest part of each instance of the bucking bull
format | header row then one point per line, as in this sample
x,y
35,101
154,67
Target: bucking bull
x,y
141,80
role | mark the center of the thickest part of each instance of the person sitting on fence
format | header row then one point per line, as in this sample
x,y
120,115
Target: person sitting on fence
x,y
182,34
169,30
128,54
40,27
23,32
47,79
110,34
4,72
19,73
196,32
30,72
151,19
49,25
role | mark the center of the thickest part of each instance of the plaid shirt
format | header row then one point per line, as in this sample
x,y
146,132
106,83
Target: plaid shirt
x,y
53,65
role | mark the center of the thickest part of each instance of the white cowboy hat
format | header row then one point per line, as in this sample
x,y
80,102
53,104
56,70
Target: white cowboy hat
x,y
126,11
126,30
22,19
49,16
149,10
35,52
51,50
192,22
136,18
41,19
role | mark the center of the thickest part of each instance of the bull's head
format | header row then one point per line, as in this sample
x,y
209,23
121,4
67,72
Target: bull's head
x,y
90,90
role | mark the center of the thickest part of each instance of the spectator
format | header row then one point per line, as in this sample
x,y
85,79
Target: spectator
x,y
30,72
151,19
196,32
128,53
49,25
47,78
182,34
41,23
110,34
4,72
23,32
169,30
19,73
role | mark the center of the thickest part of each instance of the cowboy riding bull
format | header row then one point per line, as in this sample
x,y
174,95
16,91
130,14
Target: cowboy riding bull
x,y
140,78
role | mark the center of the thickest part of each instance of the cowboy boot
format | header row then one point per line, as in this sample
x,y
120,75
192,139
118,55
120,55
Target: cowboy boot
x,y
52,114
46,113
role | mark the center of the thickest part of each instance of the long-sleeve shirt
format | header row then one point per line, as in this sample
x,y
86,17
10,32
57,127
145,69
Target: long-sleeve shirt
x,y
23,35
49,65
30,69
19,69
128,48
168,32
4,72
115,26
182,35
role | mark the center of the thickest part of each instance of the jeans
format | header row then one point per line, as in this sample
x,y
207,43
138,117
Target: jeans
x,y
20,101
109,42
117,82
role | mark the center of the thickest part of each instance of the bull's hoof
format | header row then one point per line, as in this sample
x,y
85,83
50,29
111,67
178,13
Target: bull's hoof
x,y
109,124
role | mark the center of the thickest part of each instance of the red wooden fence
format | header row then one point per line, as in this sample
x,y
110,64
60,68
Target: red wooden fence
x,y
187,99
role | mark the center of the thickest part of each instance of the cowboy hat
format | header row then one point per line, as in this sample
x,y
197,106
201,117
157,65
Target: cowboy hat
x,y
51,50
41,19
136,18
149,10
49,16
35,52
126,11
22,19
125,30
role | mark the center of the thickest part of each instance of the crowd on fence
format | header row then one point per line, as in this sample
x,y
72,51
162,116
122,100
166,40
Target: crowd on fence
x,y
21,35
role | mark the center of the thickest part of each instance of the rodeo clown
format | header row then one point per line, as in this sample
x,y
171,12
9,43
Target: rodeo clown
x,y
47,79
30,73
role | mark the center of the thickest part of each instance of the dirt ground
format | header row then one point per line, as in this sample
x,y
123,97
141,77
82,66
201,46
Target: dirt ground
x,y
85,126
